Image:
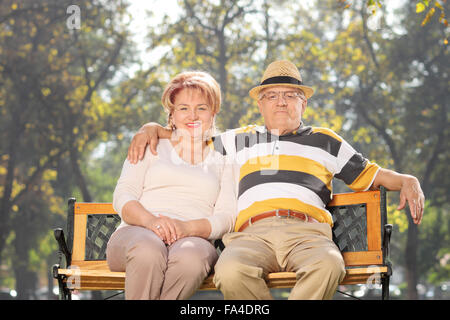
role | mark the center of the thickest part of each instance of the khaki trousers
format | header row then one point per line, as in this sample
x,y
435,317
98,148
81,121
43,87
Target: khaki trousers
x,y
276,245
156,271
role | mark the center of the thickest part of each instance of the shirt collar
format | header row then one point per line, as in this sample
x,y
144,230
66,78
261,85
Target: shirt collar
x,y
302,129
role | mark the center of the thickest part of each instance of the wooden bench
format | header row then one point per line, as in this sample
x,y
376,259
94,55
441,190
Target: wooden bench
x,y
360,231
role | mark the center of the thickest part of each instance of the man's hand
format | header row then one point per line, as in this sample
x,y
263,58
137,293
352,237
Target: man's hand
x,y
410,191
150,133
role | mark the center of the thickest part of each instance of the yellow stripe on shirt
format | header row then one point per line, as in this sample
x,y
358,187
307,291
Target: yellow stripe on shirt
x,y
287,162
365,178
246,129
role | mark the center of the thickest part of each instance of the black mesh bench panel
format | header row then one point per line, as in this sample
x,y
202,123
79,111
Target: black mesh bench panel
x,y
100,227
350,227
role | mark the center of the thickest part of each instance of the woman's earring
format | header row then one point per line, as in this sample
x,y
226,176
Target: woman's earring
x,y
171,124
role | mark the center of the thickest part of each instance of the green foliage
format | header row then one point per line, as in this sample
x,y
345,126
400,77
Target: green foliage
x,y
52,109
435,245
69,103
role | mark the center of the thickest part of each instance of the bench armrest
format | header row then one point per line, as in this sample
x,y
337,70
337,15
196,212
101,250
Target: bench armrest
x,y
61,239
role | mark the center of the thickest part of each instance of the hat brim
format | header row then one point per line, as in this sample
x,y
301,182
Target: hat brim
x,y
255,91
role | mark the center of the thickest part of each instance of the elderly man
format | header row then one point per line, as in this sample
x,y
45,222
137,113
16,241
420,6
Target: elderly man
x,y
285,171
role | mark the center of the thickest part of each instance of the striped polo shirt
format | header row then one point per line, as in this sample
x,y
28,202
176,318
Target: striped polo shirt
x,y
292,171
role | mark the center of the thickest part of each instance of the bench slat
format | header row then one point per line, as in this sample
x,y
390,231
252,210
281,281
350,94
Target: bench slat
x,y
98,279
351,259
79,240
94,208
363,258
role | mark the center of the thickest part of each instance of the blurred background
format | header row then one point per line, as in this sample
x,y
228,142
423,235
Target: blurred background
x,y
79,78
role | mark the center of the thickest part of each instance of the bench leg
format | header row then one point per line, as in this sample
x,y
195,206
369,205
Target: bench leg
x,y
386,249
385,288
64,291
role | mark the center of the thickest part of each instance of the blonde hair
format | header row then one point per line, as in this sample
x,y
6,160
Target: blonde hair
x,y
198,80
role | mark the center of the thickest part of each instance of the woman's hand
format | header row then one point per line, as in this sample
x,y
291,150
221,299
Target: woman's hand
x,y
164,228
168,229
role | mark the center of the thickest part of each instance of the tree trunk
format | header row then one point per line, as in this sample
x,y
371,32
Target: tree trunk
x,y
26,280
411,258
5,201
49,281
222,65
81,181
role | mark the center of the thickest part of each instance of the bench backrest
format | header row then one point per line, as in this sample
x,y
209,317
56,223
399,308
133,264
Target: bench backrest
x,y
358,219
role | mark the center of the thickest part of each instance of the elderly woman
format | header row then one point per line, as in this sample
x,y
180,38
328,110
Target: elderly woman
x,y
175,204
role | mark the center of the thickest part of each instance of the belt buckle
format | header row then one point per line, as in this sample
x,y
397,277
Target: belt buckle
x,y
283,217
304,217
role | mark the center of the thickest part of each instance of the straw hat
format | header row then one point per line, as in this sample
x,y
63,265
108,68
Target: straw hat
x,y
283,73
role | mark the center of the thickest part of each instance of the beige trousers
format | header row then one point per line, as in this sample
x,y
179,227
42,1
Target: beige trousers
x,y
156,271
276,245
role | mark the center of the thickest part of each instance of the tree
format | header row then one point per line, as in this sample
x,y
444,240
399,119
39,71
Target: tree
x,y
53,107
400,93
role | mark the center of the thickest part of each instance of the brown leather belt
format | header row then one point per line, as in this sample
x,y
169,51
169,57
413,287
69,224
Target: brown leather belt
x,y
277,213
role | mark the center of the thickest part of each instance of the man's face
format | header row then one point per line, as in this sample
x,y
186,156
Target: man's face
x,y
282,108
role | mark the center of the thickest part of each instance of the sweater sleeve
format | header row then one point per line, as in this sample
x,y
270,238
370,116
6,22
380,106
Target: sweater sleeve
x,y
225,209
131,182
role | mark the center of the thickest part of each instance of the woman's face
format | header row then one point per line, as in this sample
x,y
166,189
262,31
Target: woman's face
x,y
192,113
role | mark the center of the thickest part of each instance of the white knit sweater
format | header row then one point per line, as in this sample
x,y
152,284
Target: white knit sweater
x,y
166,184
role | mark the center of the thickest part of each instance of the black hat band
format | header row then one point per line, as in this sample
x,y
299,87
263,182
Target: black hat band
x,y
281,79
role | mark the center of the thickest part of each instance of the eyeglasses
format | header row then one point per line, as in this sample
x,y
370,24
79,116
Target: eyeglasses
x,y
275,95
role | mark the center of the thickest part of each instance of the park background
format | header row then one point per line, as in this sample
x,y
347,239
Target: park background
x,y
76,82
